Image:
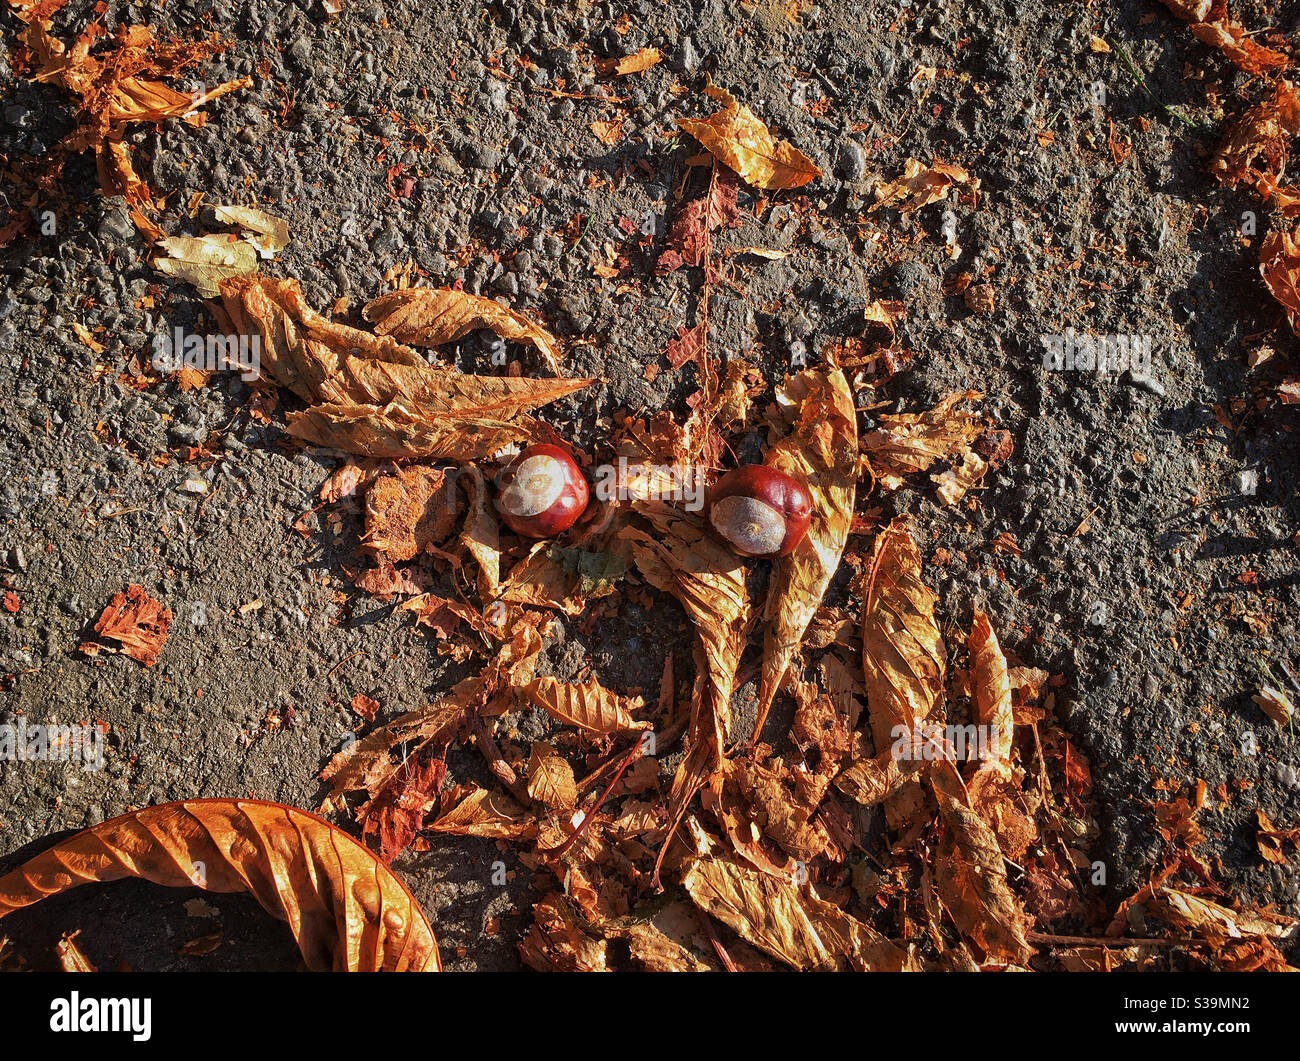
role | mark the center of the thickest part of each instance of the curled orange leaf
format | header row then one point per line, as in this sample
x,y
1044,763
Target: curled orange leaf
x,y
709,581
787,920
348,911
432,317
920,185
822,451
1279,256
903,657
739,140
991,691
971,877
906,443
902,651
588,706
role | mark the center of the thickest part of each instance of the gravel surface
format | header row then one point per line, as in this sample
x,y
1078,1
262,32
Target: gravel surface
x,y
1150,612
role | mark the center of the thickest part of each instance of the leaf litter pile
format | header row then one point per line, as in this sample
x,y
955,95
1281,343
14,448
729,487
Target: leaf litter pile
x,y
863,833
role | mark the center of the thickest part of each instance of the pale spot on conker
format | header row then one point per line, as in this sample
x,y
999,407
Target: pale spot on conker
x,y
752,527
537,483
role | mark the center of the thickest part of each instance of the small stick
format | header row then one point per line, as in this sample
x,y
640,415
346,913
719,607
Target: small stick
x,y
1104,941
718,948
559,852
591,778
340,663
1083,524
501,769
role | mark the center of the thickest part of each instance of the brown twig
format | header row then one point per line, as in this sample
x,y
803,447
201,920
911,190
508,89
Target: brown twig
x,y
340,663
501,769
718,948
1110,941
587,816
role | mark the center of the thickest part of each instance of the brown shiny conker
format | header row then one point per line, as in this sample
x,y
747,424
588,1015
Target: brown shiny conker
x,y
542,492
759,511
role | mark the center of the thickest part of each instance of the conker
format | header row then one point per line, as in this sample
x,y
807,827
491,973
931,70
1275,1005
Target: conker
x,y
760,511
542,492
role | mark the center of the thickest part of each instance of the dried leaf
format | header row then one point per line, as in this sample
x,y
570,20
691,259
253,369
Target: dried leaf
x,y
1276,704
778,803
272,232
116,88
902,653
409,510
1256,149
906,443
766,253
991,693
739,140
654,950
397,813
550,778
481,535
709,581
487,814
563,579
588,706
83,333
1252,954
608,133
137,622
41,11
192,379
689,346
366,765
387,401
365,706
347,911
386,580
886,313
201,944
786,921
1190,10
1231,40
1078,777
1217,923
555,942
1279,257
635,63
872,781
1269,839
347,479
970,875
920,185
206,261
300,349
429,317
433,390
690,237
540,581
394,431
956,481
821,451
516,658
441,615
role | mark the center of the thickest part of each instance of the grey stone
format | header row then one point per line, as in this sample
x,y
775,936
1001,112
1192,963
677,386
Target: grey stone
x,y
686,59
852,162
